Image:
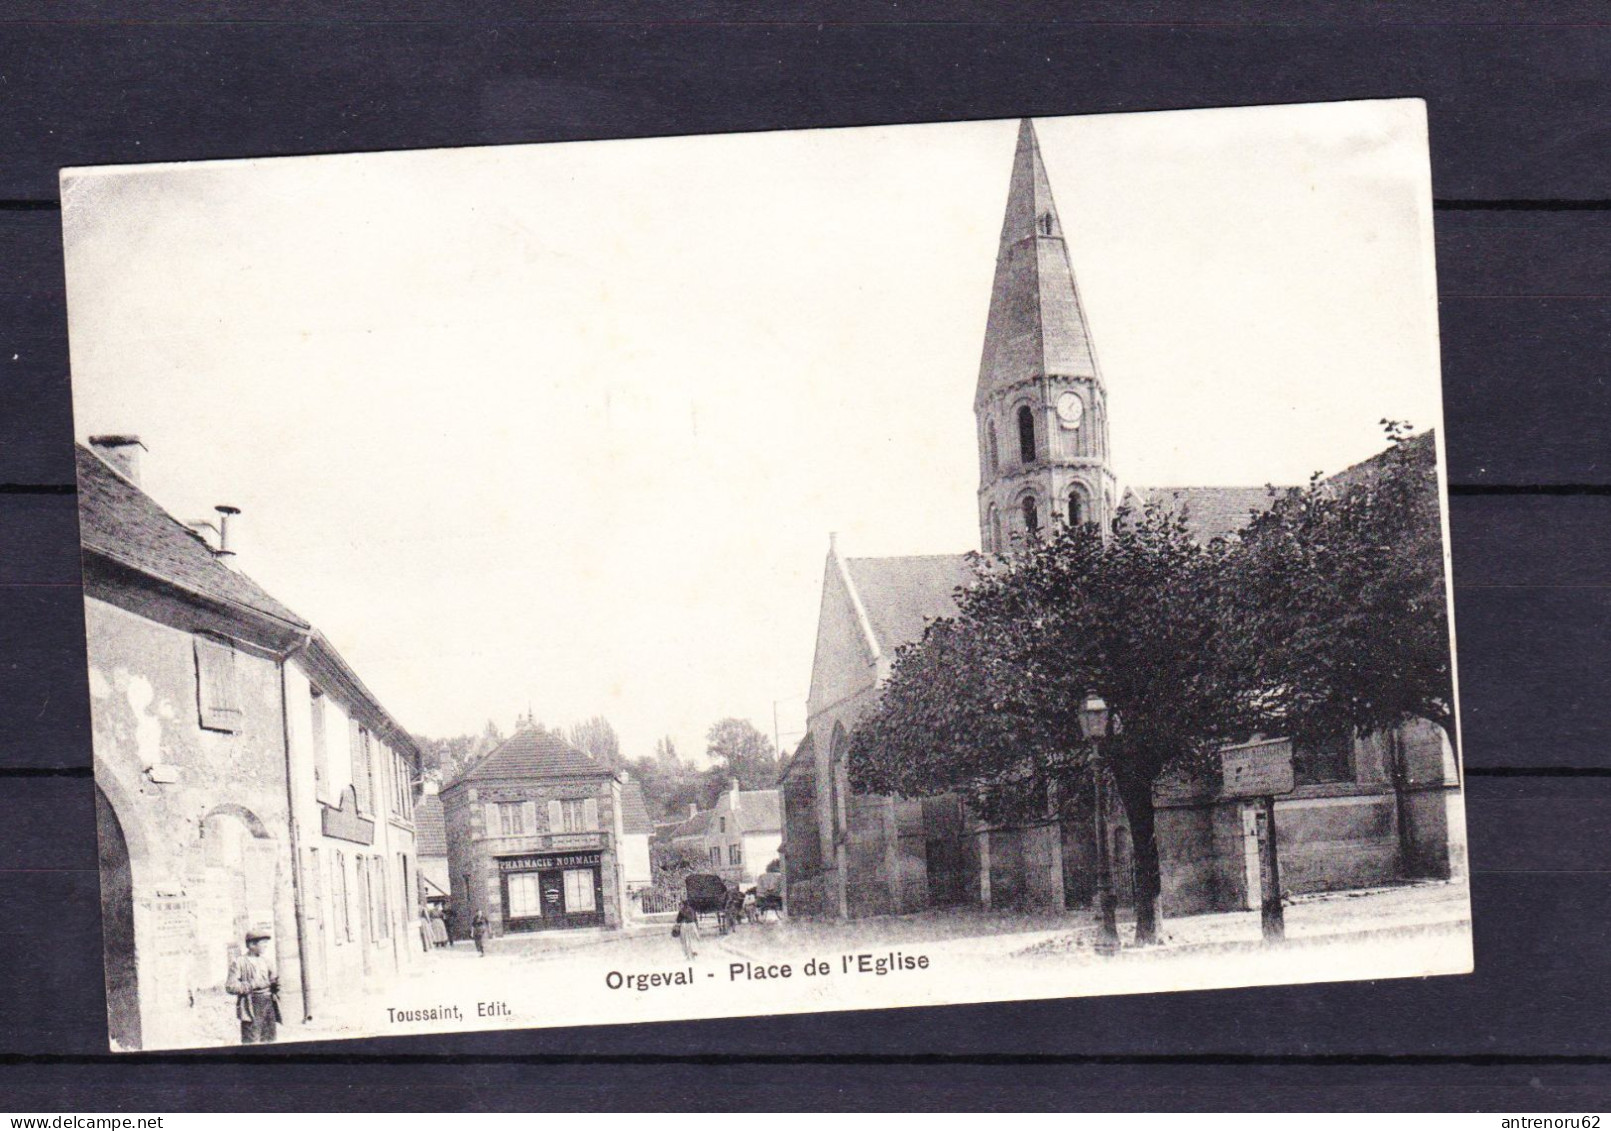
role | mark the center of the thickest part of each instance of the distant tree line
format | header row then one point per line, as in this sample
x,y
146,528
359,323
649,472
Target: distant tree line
x,y
735,749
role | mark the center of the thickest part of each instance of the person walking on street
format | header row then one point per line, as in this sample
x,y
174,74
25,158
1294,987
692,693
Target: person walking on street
x,y
256,986
478,931
687,929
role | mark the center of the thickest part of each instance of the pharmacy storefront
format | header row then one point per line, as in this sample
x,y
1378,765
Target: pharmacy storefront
x,y
547,891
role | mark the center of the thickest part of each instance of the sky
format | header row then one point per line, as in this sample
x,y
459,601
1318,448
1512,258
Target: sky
x,y
566,427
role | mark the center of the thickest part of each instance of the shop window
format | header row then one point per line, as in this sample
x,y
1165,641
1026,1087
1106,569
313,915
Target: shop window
x,y
579,891
217,695
523,895
1324,761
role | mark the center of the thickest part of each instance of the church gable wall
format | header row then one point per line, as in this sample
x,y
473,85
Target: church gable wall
x,y
843,664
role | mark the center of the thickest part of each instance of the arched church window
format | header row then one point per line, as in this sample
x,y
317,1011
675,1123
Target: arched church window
x,y
994,450
1026,434
1079,507
1031,514
1046,222
994,531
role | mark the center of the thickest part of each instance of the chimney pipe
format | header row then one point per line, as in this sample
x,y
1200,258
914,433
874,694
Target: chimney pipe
x,y
224,513
121,452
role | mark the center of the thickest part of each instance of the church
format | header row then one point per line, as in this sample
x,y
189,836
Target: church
x,y
1362,812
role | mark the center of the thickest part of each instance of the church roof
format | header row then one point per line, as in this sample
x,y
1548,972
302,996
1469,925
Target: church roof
x,y
901,595
1209,512
535,754
1219,512
1036,323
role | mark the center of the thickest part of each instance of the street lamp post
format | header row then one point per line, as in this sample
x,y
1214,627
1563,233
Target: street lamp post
x,y
1096,722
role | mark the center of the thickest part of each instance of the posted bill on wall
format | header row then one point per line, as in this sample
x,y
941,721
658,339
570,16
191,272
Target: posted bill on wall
x,y
826,570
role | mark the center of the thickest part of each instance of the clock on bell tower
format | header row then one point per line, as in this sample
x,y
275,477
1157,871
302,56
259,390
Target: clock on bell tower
x,y
1041,404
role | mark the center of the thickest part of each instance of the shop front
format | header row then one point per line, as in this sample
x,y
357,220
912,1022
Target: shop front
x,y
547,891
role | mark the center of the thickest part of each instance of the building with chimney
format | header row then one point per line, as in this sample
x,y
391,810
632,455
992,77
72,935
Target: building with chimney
x,y
1363,811
537,835
245,779
737,837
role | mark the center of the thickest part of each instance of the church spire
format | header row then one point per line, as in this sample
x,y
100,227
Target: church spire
x,y
1041,403
1036,325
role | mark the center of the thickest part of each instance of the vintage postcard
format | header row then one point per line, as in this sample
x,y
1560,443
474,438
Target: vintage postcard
x,y
753,574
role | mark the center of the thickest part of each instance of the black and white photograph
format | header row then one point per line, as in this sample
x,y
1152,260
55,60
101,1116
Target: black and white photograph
x,y
765,573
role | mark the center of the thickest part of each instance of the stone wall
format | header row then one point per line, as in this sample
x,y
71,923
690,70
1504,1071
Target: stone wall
x,y
203,812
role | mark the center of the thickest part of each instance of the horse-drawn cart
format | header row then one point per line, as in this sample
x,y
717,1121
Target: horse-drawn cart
x,y
710,896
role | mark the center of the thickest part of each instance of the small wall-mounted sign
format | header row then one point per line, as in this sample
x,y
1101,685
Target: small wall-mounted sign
x,y
344,823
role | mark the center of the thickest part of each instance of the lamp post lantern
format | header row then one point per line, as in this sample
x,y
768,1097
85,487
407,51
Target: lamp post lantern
x,y
1096,724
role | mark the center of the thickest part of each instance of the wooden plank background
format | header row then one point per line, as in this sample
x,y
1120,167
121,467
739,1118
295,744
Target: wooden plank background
x,y
1519,108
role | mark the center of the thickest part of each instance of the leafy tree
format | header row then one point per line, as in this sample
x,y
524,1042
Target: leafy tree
x,y
597,737
1340,600
987,702
741,751
665,752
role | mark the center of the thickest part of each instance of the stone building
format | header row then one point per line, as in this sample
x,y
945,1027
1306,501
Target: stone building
x,y
245,778
430,829
737,837
535,833
1364,811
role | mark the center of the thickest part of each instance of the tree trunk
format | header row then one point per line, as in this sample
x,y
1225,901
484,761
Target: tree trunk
x,y
1137,799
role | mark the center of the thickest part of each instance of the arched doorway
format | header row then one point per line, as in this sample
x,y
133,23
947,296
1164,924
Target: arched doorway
x,y
117,928
238,881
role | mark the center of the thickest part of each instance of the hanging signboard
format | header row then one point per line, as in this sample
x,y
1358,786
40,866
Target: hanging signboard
x,y
1256,769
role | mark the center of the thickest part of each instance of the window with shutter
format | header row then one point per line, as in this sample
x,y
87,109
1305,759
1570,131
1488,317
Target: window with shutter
x,y
511,818
321,756
528,817
590,815
556,817
363,768
217,696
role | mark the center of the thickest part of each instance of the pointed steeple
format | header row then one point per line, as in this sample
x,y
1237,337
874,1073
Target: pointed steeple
x,y
1041,403
1036,325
